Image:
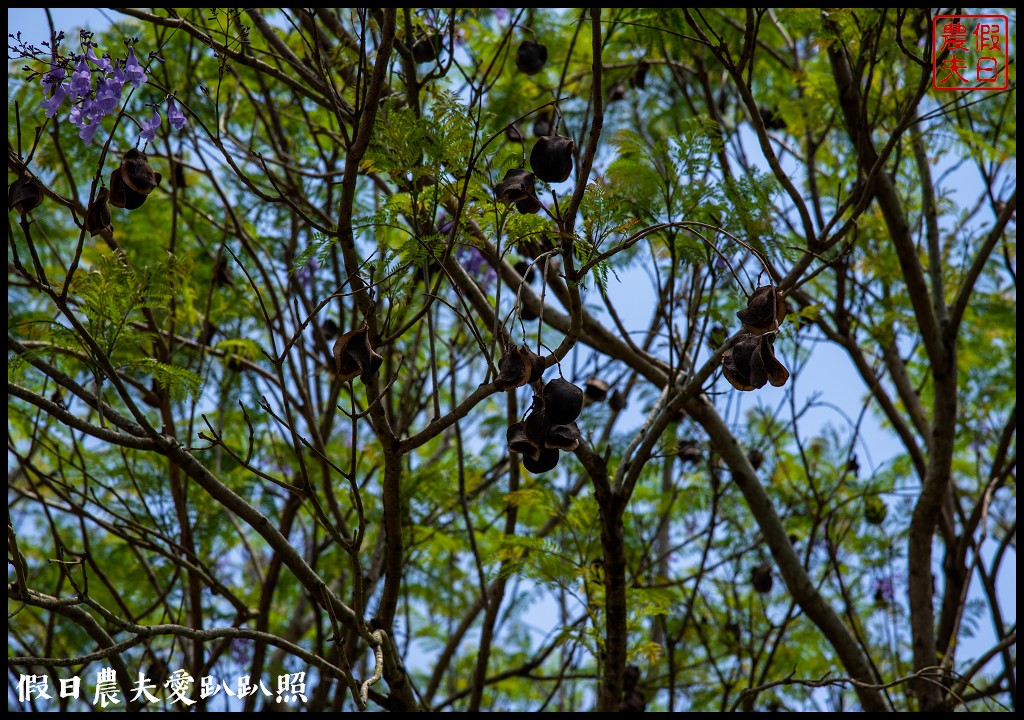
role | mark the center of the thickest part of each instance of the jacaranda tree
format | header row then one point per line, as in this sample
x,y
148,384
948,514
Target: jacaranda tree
x,y
483,352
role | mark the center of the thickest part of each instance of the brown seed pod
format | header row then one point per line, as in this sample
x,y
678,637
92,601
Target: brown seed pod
x,y
137,173
526,271
771,119
519,442
123,196
329,329
427,48
617,92
531,56
519,366
97,217
563,401
761,578
546,460
756,458
513,370
765,310
222,273
354,354
617,401
24,194
751,363
178,174
736,362
537,422
537,365
688,451
853,466
551,158
514,134
529,206
632,699
630,677
518,184
765,366
595,389
563,437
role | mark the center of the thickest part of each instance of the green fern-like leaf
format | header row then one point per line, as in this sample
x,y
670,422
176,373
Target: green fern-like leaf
x,y
180,382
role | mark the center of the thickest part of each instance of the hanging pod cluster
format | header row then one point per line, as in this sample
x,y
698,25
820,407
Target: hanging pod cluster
x,y
751,362
550,425
551,158
132,181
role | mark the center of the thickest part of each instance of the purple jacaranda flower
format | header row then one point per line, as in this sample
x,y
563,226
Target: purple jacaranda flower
x,y
104,105
305,274
102,63
883,590
54,102
175,116
108,95
89,130
149,126
54,77
117,78
472,259
134,72
84,116
476,265
54,82
81,80
80,114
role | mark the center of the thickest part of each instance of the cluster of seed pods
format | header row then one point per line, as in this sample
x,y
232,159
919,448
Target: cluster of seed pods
x,y
550,426
130,184
551,159
751,363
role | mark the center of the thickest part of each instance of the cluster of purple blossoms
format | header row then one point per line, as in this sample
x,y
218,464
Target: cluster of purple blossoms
x,y
89,104
476,265
306,273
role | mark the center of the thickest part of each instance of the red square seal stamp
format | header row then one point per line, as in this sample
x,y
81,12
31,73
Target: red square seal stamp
x,y
970,52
